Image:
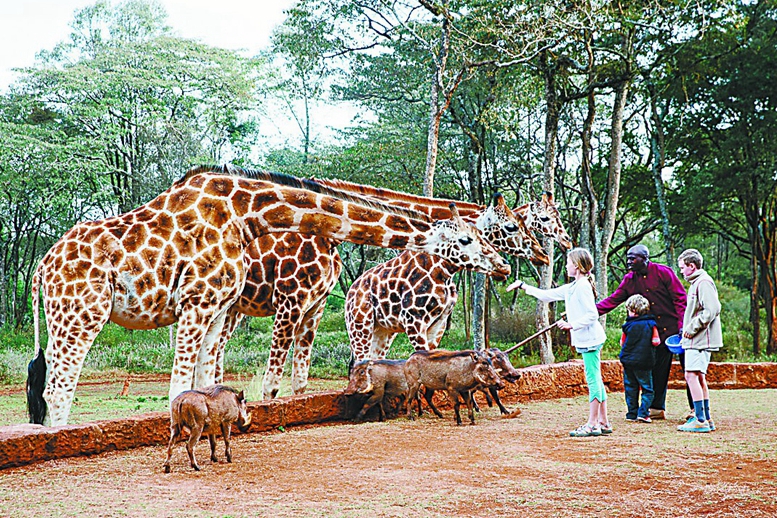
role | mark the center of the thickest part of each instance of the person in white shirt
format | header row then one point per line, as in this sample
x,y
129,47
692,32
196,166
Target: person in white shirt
x,y
588,335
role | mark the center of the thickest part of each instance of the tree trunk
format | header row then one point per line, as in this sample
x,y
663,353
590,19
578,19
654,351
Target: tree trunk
x,y
553,107
435,112
479,294
613,185
754,304
658,149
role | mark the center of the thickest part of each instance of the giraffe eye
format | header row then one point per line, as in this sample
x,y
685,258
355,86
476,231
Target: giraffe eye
x,y
511,227
545,219
465,240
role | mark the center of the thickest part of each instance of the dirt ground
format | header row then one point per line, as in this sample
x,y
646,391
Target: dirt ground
x,y
524,466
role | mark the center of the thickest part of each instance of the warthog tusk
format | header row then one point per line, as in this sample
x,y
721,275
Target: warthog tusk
x,y
369,388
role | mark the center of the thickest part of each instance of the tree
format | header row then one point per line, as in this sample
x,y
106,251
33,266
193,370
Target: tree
x,y
154,102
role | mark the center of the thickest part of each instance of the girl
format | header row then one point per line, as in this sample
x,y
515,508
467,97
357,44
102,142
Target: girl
x,y
587,333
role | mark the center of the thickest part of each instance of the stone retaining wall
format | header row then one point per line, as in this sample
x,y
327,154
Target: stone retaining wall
x,y
27,444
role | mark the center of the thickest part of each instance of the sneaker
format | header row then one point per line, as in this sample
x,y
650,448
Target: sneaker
x,y
694,426
606,429
644,420
709,422
586,431
656,414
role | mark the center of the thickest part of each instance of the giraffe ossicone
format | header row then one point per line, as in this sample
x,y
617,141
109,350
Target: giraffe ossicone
x,y
179,257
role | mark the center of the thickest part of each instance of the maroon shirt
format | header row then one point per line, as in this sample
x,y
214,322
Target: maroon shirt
x,y
660,285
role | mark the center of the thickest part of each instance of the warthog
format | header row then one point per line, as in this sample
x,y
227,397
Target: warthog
x,y
506,371
457,372
205,411
382,379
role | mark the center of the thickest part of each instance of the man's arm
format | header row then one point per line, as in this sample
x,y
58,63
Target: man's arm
x,y
617,298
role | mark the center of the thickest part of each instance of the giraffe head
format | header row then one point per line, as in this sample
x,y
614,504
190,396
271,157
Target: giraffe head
x,y
509,233
461,243
543,216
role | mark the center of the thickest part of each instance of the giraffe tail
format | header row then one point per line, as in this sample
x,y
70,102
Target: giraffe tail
x,y
36,370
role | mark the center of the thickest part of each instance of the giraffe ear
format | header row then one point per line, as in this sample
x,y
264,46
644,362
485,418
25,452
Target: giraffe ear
x,y
456,217
547,198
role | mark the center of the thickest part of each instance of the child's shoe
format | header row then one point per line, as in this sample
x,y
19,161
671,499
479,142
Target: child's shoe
x,y
694,426
644,419
606,428
691,415
586,431
712,424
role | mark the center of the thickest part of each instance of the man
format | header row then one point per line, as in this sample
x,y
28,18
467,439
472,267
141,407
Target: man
x,y
666,294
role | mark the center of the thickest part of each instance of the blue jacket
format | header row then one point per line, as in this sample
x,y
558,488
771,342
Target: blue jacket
x,y
637,349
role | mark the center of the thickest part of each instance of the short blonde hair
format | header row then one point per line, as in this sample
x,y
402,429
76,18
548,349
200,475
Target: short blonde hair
x,y
638,305
692,256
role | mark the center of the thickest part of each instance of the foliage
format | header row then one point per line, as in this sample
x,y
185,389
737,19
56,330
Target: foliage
x,y
108,118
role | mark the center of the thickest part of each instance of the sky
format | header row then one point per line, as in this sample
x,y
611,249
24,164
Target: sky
x,y
29,26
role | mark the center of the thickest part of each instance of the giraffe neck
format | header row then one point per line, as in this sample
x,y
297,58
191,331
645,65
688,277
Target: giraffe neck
x,y
435,208
258,207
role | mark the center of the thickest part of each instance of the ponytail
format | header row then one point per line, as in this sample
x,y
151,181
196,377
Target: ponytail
x,y
592,281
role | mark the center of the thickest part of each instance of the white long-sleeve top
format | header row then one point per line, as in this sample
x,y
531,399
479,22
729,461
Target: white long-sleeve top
x,y
587,333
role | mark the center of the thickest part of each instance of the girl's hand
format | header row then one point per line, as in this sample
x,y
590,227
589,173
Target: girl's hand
x,y
563,324
516,284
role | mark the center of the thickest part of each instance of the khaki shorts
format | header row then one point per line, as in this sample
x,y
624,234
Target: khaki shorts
x,y
697,360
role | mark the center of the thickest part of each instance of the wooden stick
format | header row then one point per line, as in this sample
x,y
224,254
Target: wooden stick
x,y
535,335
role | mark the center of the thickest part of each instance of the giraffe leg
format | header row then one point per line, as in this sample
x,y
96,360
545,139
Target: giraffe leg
x,y
303,346
381,343
359,319
71,338
188,340
207,356
283,331
231,322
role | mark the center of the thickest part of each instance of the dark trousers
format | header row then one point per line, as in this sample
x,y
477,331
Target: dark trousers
x,y
661,376
633,381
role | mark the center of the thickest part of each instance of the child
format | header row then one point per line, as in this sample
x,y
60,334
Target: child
x,y
587,333
702,334
638,356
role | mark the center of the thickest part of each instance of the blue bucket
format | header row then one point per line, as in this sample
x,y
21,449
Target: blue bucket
x,y
673,344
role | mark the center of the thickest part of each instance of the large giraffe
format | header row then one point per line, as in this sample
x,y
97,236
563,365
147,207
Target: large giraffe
x,y
179,258
298,304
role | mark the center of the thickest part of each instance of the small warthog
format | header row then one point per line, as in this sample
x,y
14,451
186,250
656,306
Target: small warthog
x,y
206,411
506,371
381,379
457,372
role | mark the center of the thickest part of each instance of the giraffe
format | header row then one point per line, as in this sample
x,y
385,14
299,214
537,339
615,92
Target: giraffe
x,y
414,292
289,275
179,257
301,304
543,217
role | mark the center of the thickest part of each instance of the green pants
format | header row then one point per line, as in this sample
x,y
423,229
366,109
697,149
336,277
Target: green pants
x,y
593,375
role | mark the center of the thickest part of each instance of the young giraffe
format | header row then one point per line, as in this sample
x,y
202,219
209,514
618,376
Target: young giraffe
x,y
298,305
179,258
414,292
543,217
